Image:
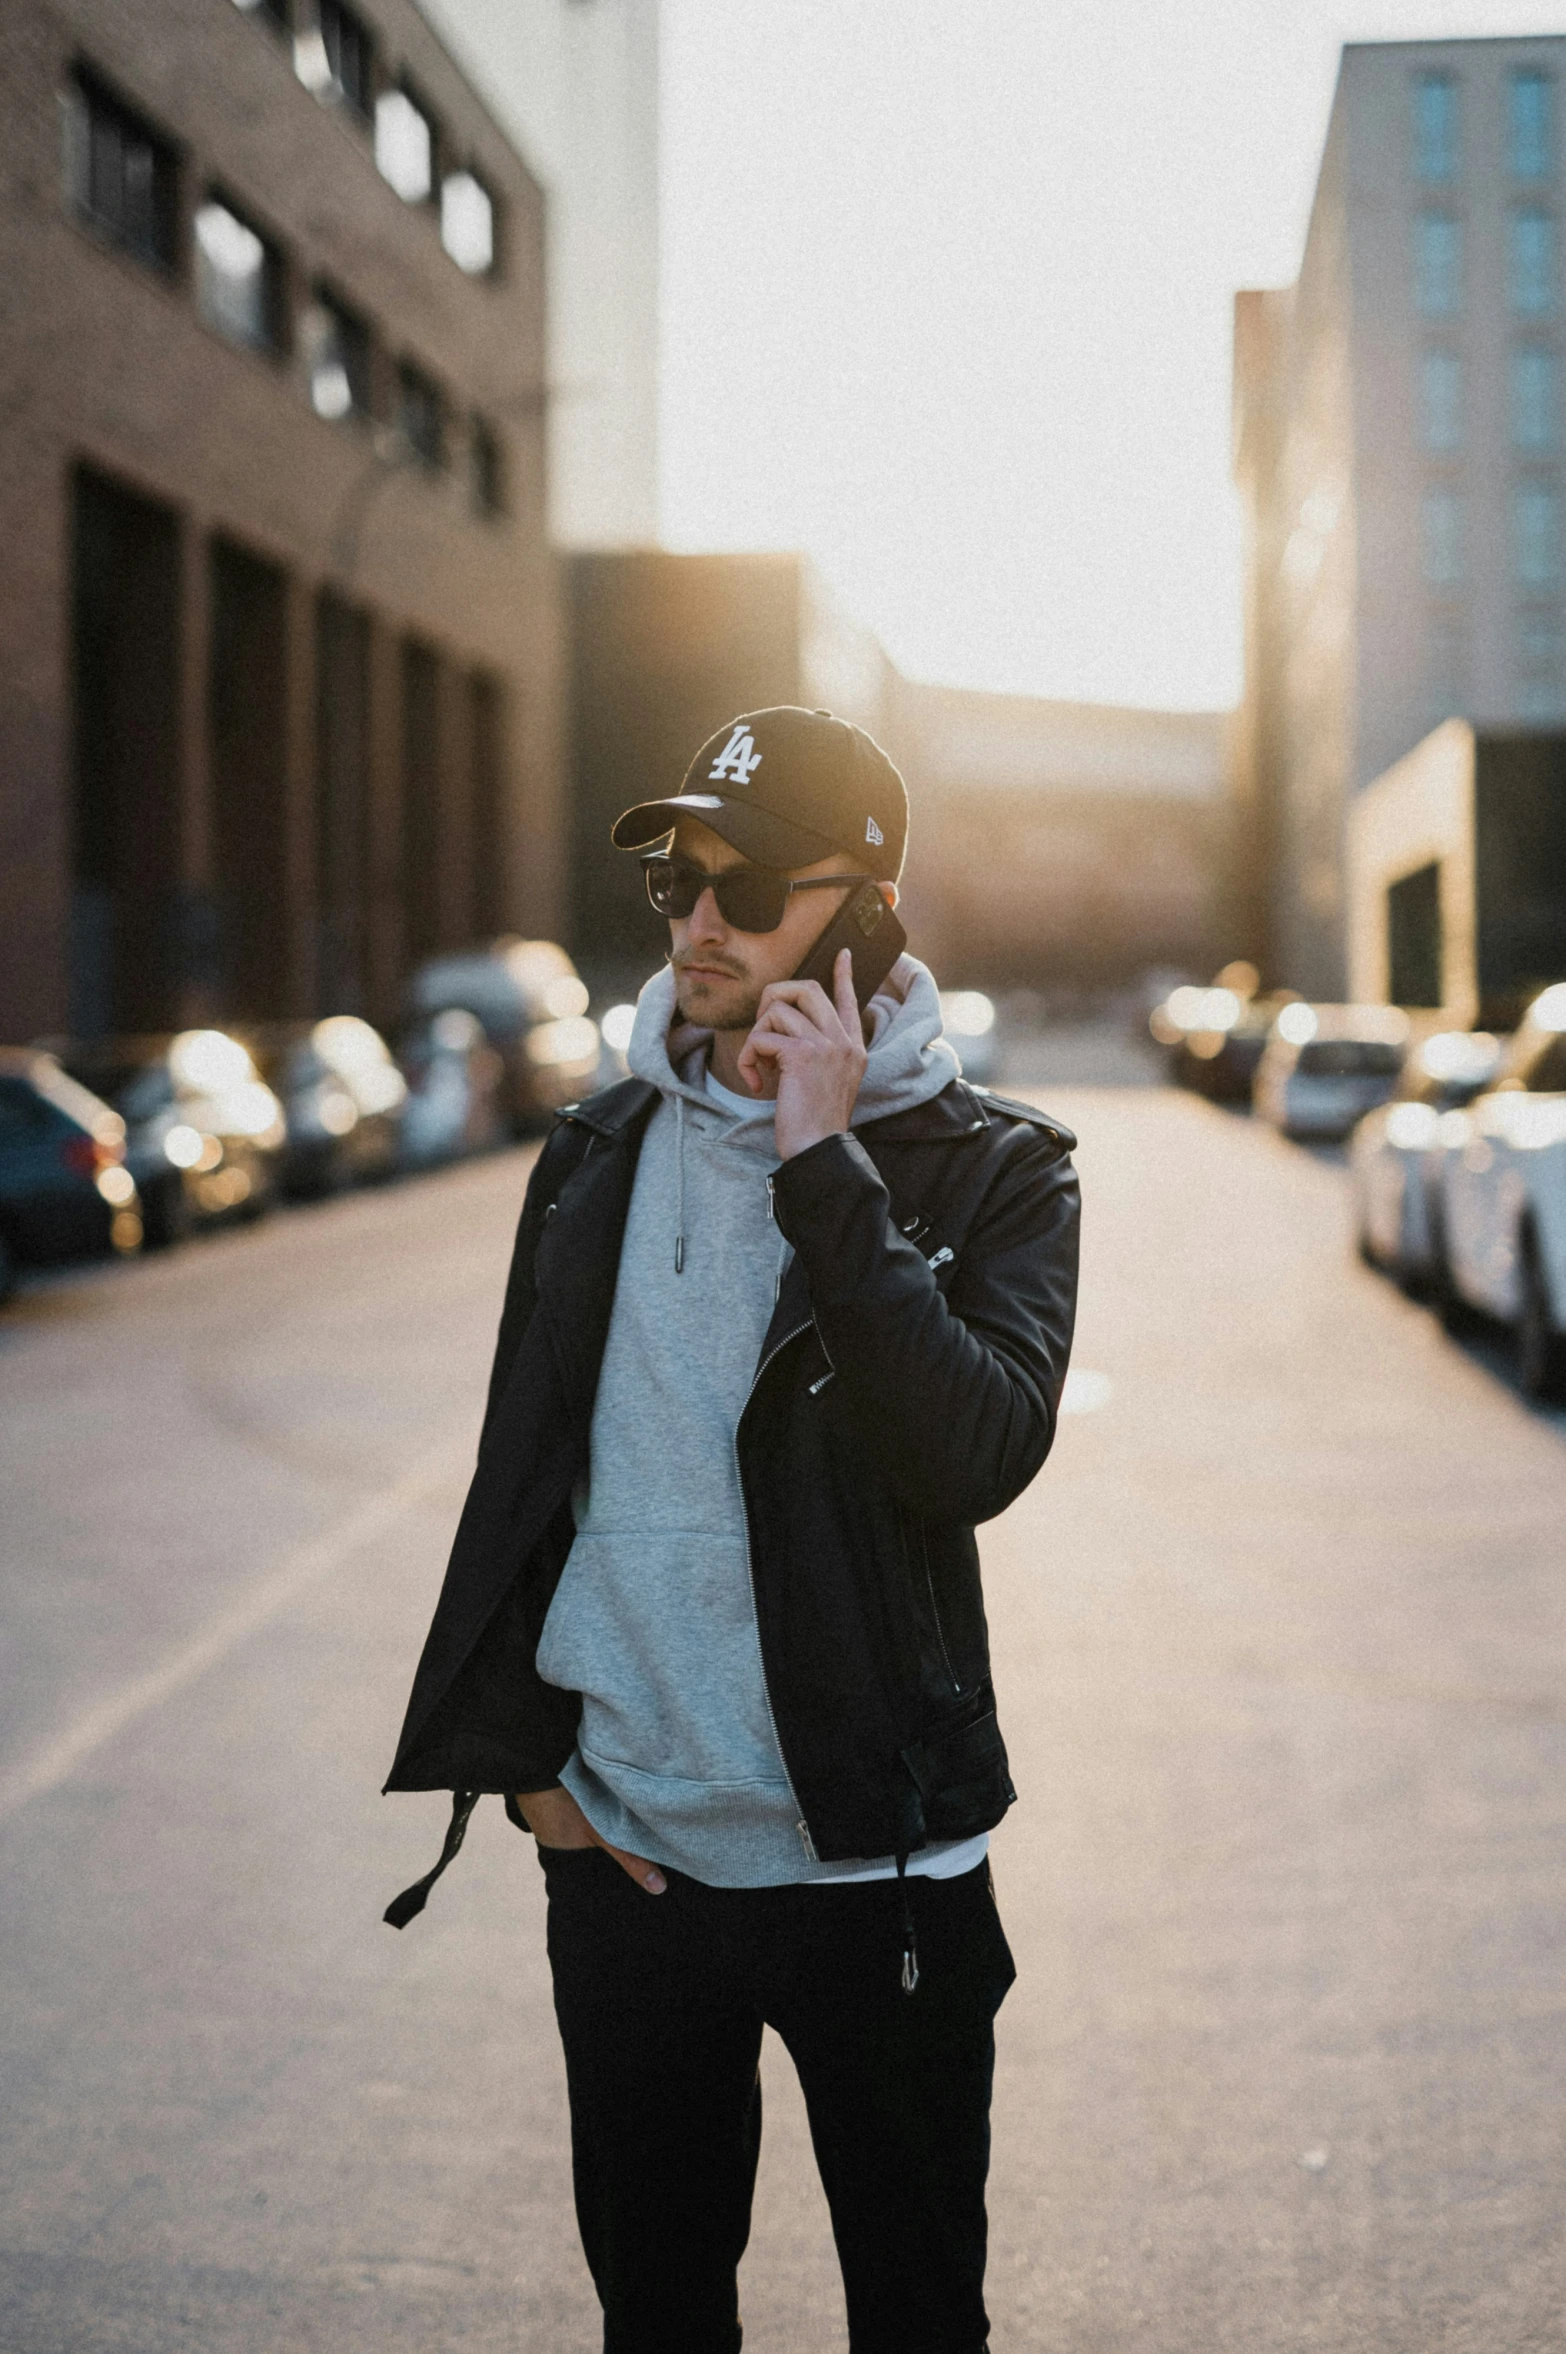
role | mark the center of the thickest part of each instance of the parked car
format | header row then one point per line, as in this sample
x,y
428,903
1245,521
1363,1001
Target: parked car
x,y
65,1191
454,1077
1503,1198
203,1131
342,1097
1325,1066
1395,1156
1216,1036
533,1008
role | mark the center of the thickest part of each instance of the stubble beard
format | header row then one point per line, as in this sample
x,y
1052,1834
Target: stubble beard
x,y
727,1011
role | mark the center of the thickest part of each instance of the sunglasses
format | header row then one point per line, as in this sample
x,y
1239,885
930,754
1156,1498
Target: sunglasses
x,y
750,898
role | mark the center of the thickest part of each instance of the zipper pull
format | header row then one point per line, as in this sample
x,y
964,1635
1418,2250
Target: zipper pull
x,y
772,1206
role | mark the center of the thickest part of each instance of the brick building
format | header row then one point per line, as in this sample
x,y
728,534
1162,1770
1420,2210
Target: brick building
x,y
280,642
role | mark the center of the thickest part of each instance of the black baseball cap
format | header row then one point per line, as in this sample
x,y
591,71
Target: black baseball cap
x,y
787,787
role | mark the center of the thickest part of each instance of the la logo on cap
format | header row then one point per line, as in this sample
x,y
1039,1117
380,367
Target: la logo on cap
x,y
739,758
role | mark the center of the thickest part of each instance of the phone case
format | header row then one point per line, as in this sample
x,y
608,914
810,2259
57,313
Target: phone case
x,y
870,928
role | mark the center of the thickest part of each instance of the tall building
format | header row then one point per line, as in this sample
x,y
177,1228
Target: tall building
x,y
576,84
1398,449
280,643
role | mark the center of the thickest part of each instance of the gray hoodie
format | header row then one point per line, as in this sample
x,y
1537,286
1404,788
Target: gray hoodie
x,y
654,1619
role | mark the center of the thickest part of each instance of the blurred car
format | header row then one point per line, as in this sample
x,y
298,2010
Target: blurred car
x,y
968,1019
1395,1155
1503,1197
454,1076
203,1131
342,1097
533,1008
65,1191
1325,1066
1216,1036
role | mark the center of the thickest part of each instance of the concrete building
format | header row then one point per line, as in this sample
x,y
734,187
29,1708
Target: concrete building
x,y
1062,844
1398,447
1457,875
576,84
280,650
665,648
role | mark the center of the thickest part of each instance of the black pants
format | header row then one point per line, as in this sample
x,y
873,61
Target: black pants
x,y
661,2002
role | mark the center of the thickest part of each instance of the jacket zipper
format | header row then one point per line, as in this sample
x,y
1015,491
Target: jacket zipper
x,y
800,1825
935,1609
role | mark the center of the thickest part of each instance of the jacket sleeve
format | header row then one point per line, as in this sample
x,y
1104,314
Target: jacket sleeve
x,y
952,1399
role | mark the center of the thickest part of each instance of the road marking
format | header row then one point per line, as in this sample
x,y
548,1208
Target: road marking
x,y
305,1566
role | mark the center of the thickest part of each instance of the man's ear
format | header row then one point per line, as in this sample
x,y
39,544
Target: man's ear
x,y
888,892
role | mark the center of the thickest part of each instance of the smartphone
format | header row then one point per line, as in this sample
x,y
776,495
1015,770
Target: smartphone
x,y
870,928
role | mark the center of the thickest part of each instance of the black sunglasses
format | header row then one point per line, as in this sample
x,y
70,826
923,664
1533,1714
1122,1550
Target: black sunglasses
x,y
751,898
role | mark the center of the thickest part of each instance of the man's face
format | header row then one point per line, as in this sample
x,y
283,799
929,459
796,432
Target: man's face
x,y
719,974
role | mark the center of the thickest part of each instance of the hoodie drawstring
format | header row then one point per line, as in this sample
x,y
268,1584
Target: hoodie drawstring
x,y
679,1185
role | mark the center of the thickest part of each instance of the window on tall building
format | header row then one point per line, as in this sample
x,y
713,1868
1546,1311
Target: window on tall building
x,y
405,146
1530,124
238,278
337,359
467,223
1536,535
334,55
486,469
1435,127
1440,400
1442,520
1531,254
124,177
1438,264
421,414
1535,398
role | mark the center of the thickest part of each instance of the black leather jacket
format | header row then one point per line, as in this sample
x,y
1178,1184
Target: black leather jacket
x,y
907,1389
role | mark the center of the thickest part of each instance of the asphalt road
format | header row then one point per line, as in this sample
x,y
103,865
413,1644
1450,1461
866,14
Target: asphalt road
x,y
1280,1646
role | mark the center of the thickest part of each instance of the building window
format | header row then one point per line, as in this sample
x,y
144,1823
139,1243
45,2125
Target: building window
x,y
421,415
467,223
1438,264
124,177
405,146
1442,519
1530,124
335,57
1446,667
337,359
1531,253
1440,401
238,278
1535,399
486,469
1538,664
1536,535
1435,127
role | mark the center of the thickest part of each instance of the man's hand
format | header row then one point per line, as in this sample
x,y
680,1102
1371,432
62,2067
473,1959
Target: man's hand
x,y
808,1050
555,1820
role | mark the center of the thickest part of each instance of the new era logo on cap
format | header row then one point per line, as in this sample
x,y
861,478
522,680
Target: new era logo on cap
x,y
787,787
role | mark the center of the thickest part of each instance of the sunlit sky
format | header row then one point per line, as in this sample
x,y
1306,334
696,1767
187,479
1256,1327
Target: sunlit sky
x,y
947,292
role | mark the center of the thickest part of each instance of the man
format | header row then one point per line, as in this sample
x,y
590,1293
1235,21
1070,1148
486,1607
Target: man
x,y
789,1313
